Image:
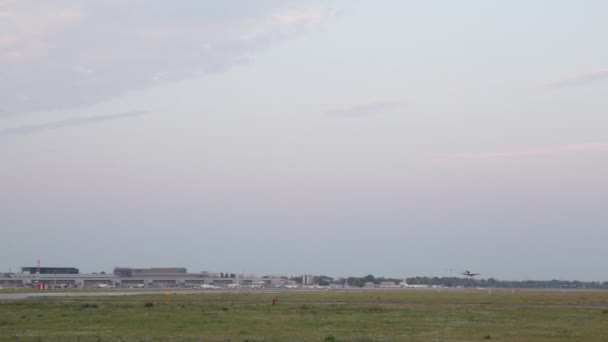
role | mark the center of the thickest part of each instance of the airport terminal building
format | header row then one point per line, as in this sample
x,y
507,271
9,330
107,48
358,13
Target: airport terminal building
x,y
122,277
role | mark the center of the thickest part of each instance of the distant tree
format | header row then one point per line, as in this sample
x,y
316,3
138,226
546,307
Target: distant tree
x,y
369,279
322,280
354,281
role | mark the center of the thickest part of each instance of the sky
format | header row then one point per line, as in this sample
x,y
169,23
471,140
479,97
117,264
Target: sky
x,y
399,138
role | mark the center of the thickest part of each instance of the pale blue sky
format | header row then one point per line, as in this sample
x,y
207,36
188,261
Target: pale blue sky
x,y
398,138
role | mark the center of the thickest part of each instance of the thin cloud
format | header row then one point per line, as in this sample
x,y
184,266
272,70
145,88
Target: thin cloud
x,y
35,128
532,152
307,16
582,79
103,49
364,109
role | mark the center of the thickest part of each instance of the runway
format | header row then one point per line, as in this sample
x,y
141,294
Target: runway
x,y
34,295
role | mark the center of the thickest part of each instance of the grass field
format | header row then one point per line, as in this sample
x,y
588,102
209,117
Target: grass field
x,y
467,315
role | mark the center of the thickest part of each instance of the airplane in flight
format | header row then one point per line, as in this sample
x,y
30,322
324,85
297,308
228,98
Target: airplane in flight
x,y
469,273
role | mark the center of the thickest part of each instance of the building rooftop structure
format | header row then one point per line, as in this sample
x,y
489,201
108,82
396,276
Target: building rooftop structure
x,y
50,270
154,271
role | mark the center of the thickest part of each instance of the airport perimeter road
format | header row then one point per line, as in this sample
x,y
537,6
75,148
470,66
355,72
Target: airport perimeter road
x,y
17,296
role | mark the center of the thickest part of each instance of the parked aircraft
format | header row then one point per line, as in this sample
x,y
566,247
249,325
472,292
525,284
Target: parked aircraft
x,y
412,286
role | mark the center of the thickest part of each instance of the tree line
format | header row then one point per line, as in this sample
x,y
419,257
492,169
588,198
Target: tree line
x,y
458,282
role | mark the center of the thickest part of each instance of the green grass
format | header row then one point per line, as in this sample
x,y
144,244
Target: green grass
x,y
313,316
